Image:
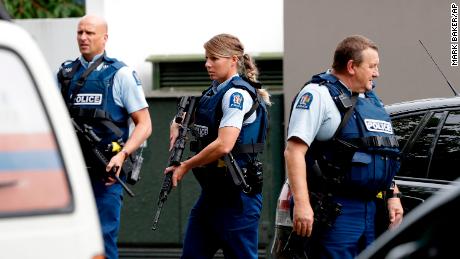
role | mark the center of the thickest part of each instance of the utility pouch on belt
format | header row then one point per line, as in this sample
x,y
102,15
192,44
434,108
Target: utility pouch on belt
x,y
254,176
249,179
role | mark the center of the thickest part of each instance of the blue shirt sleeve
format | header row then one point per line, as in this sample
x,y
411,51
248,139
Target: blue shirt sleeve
x,y
235,104
128,91
314,115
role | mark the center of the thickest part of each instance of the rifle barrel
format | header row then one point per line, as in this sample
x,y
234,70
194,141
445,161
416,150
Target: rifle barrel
x,y
157,215
92,140
175,155
131,193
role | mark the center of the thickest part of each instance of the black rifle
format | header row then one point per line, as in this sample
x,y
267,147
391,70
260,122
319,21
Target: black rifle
x,y
92,140
175,156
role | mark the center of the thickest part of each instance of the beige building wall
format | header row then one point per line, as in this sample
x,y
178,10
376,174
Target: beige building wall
x,y
312,30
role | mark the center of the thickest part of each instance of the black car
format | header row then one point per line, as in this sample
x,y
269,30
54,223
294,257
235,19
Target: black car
x,y
426,232
428,132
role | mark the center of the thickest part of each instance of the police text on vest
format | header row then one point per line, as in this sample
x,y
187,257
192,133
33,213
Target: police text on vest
x,y
378,126
88,99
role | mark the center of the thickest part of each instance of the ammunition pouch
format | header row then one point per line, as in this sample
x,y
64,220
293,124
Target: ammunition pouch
x,y
351,176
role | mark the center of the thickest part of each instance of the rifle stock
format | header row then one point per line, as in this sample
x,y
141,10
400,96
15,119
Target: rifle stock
x,y
175,156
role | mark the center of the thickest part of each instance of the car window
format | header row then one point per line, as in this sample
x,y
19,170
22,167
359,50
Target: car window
x,y
446,156
431,144
32,175
404,127
414,162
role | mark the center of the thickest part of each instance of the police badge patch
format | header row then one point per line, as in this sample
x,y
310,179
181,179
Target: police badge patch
x,y
236,101
304,101
136,77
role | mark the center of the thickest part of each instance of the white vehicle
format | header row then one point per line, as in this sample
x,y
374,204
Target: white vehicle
x,y
47,209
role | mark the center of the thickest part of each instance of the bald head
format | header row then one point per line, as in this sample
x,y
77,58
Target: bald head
x,y
92,36
95,20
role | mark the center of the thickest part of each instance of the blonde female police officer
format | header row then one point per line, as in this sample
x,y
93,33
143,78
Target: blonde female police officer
x,y
231,116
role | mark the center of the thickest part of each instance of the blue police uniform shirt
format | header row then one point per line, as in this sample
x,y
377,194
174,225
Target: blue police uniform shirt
x,y
236,102
314,115
127,87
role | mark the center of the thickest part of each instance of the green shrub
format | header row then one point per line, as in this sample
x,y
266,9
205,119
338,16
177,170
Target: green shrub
x,y
26,9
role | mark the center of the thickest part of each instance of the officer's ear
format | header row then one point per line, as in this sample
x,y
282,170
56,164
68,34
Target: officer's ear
x,y
351,65
235,60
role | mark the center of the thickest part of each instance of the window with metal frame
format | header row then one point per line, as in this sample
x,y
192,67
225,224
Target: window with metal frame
x,y
414,141
430,143
446,155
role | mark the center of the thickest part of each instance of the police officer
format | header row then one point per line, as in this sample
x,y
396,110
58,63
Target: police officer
x,y
231,118
340,124
105,98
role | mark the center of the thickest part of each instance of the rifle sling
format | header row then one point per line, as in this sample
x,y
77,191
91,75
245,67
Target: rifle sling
x,y
254,107
347,115
82,79
65,80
